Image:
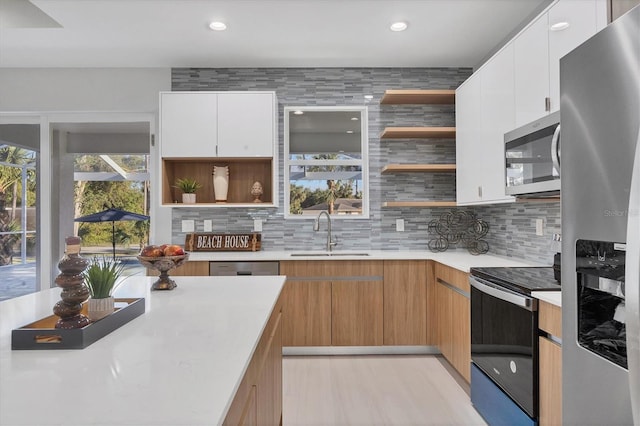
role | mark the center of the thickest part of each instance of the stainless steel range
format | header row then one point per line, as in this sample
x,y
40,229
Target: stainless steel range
x,y
504,342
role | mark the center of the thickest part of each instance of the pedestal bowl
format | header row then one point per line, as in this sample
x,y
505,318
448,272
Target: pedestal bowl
x,y
163,264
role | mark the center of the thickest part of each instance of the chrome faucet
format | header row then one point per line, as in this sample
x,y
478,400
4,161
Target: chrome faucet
x,y
316,227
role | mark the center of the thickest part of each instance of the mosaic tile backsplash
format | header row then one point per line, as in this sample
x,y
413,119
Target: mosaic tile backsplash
x,y
512,227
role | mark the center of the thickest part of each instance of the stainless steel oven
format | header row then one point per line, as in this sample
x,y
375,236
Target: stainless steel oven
x,y
504,342
532,158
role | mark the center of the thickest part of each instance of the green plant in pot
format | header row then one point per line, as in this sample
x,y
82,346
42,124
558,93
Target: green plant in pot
x,y
101,277
188,187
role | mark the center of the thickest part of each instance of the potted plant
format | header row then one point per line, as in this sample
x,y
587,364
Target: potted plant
x,y
188,187
101,276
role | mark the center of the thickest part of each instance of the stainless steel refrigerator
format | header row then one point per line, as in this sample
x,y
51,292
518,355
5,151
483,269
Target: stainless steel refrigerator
x,y
600,184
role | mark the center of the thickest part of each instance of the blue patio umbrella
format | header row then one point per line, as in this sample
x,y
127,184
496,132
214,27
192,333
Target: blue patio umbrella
x,y
112,215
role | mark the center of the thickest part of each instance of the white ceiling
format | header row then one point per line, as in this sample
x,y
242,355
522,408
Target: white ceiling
x,y
261,33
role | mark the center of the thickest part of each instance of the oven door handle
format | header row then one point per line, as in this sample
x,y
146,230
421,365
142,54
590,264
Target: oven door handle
x,y
502,294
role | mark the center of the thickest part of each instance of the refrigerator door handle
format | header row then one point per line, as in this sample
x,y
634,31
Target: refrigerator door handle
x,y
632,281
555,151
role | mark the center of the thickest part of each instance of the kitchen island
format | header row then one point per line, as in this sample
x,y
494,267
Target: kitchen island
x,y
180,363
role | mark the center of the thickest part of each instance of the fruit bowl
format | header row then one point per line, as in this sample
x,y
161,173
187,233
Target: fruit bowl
x,y
163,264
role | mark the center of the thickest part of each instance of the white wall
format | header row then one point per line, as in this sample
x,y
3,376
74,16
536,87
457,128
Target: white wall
x,y
72,95
82,89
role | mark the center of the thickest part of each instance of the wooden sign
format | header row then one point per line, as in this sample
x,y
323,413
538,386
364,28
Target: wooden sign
x,y
223,242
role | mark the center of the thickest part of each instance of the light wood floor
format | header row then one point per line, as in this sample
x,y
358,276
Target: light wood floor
x,y
373,390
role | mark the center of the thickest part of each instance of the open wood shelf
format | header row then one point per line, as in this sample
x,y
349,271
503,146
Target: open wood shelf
x,y
418,132
419,204
243,172
421,168
414,97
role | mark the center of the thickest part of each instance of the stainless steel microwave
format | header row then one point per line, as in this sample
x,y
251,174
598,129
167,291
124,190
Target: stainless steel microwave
x,y
532,158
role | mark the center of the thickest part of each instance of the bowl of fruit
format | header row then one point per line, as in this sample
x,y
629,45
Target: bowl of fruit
x,y
163,258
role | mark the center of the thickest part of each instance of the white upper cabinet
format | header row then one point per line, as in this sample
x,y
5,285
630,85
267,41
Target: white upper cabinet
x,y
246,123
217,124
188,124
538,49
468,140
498,117
484,112
584,18
532,71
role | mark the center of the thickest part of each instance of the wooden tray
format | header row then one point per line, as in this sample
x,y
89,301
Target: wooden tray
x,y
42,334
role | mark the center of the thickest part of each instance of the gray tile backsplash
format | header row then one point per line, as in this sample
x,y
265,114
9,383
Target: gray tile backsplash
x,y
512,227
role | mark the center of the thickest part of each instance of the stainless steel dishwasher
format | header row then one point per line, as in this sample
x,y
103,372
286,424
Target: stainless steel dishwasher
x,y
244,268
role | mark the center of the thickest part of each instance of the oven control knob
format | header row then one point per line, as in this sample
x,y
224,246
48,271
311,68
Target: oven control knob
x,y
513,366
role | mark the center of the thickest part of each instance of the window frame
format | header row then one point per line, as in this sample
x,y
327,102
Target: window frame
x,y
363,162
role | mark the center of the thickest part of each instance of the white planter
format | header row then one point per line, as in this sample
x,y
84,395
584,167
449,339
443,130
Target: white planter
x,y
220,183
188,198
100,308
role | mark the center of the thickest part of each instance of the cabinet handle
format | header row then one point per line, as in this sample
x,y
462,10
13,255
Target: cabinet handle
x,y
547,104
480,191
216,150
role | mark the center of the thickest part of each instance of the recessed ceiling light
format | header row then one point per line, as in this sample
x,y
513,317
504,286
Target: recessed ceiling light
x,y
559,26
369,97
398,26
298,112
349,131
218,26
354,118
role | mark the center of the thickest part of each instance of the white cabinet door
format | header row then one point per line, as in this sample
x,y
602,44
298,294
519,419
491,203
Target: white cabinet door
x,y
246,123
468,141
498,117
188,124
532,71
581,16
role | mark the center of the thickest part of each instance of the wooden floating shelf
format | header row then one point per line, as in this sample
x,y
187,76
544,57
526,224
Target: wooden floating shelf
x,y
419,204
413,97
418,132
421,168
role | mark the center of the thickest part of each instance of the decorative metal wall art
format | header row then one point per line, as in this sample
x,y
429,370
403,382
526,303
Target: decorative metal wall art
x,y
458,228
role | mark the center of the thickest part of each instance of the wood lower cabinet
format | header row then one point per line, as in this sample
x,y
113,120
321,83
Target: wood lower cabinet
x,y
307,319
444,314
356,313
550,364
405,302
453,317
461,334
332,303
196,268
249,415
269,383
258,400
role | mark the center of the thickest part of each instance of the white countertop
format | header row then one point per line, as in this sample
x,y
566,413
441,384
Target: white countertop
x,y
553,297
459,259
179,363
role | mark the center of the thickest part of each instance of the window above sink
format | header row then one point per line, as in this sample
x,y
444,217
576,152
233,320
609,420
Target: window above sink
x,y
326,162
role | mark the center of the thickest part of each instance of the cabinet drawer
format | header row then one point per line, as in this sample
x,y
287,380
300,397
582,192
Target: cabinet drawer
x,y
333,270
550,318
453,277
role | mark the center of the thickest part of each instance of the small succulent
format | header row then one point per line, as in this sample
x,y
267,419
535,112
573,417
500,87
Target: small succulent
x,y
187,185
101,276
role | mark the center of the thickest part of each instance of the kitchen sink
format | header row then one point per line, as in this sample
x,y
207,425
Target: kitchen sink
x,y
324,253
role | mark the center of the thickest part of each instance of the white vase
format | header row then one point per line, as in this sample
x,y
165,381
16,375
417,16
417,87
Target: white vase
x,y
220,183
189,198
100,308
